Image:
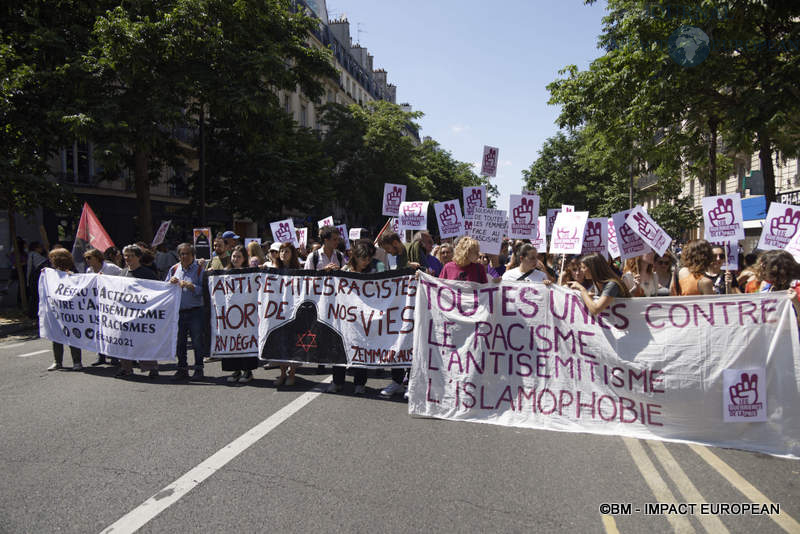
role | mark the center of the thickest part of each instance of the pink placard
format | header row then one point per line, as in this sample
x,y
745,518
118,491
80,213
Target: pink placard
x,y
449,218
649,230
489,160
523,216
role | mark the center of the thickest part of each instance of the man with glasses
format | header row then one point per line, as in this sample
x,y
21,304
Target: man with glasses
x,y
189,276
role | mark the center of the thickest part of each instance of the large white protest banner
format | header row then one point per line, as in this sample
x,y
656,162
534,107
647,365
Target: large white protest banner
x,y
613,247
393,196
529,355
540,241
648,229
722,218
489,160
284,232
488,228
629,243
119,316
523,216
338,318
595,237
413,216
448,215
568,232
233,301
780,226
474,197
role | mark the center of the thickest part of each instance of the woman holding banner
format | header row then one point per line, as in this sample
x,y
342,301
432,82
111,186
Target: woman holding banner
x,y
639,277
242,367
465,266
133,255
695,259
61,260
287,259
606,284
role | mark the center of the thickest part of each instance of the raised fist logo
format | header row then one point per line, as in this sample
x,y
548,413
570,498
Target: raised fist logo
x,y
746,391
523,214
412,209
284,233
448,216
646,230
396,225
785,225
565,233
552,219
594,237
627,235
612,235
394,198
490,159
467,226
722,215
475,199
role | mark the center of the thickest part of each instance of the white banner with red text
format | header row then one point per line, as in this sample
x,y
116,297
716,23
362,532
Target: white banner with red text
x,y
718,370
122,317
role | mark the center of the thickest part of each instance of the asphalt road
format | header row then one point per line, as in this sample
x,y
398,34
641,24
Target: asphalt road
x,y
82,452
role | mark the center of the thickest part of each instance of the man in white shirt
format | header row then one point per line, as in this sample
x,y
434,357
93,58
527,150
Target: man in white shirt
x,y
327,257
529,266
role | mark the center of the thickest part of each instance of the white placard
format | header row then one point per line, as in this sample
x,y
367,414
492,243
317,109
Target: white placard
x,y
344,234
413,216
744,395
722,216
567,208
248,240
649,230
595,237
489,160
540,241
613,247
793,247
355,233
161,233
780,226
488,228
474,197
629,243
284,232
327,221
568,232
393,196
523,216
302,237
551,219
448,215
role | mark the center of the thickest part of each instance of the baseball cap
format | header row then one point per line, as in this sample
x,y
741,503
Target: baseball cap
x,y
275,246
229,235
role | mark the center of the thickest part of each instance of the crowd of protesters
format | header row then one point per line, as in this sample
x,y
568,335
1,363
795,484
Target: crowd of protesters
x,y
695,270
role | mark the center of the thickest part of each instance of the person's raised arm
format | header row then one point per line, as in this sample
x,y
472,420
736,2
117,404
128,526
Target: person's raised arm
x,y
594,306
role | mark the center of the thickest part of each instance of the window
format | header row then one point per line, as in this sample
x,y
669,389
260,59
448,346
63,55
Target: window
x,y
77,165
722,185
691,188
303,115
287,104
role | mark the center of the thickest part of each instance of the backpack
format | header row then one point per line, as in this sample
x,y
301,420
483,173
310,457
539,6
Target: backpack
x,y
315,258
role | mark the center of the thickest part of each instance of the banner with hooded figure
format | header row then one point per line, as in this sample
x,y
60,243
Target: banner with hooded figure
x,y
337,317
123,317
720,371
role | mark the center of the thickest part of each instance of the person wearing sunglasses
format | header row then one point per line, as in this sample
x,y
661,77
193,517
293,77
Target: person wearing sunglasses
x,y
724,282
662,272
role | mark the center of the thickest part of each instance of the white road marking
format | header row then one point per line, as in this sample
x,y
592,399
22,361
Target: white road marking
x,y
658,486
13,345
141,515
784,520
32,353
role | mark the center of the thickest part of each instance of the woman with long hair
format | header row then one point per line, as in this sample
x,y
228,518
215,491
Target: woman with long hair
x,y
696,257
639,277
61,260
662,271
242,367
465,266
607,284
256,254
776,269
287,259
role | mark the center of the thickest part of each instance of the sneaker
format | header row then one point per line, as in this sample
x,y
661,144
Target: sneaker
x,y
405,395
281,380
98,361
234,377
77,367
181,375
392,389
209,360
334,388
247,376
359,390
55,367
198,374
153,374
290,380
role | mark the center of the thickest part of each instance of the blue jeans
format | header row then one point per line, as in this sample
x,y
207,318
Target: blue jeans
x,y
190,322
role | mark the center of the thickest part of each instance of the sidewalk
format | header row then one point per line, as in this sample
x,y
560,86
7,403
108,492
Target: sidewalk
x,y
13,320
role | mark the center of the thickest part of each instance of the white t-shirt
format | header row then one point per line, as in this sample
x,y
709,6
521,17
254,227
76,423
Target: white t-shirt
x,y
108,268
516,273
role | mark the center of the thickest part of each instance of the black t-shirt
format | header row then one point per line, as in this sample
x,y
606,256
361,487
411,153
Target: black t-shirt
x,y
141,272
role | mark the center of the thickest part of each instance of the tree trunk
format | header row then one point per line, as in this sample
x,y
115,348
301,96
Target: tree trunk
x,y
12,229
767,170
711,186
142,188
202,165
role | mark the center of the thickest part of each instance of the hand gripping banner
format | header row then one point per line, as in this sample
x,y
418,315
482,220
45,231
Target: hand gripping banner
x,y
721,371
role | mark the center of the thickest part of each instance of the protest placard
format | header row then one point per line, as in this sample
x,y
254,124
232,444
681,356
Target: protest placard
x,y
161,233
488,228
629,243
474,197
344,235
248,240
722,218
302,236
780,226
201,238
613,247
568,232
551,219
489,160
284,232
355,233
523,216
648,229
643,368
413,216
327,221
540,241
393,196
448,216
595,237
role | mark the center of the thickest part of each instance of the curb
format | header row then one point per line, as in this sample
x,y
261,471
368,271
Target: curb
x,y
15,328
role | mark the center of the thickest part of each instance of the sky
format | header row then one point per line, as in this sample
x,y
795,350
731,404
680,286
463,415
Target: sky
x,y
478,70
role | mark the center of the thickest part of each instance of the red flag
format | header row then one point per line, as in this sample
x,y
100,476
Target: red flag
x,y
90,232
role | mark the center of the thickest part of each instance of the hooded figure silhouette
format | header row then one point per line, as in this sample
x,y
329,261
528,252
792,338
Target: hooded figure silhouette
x,y
305,339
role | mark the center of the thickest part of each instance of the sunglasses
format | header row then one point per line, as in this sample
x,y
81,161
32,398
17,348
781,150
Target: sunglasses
x,y
719,256
662,262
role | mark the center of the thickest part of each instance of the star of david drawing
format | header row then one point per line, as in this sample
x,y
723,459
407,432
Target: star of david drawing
x,y
307,341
